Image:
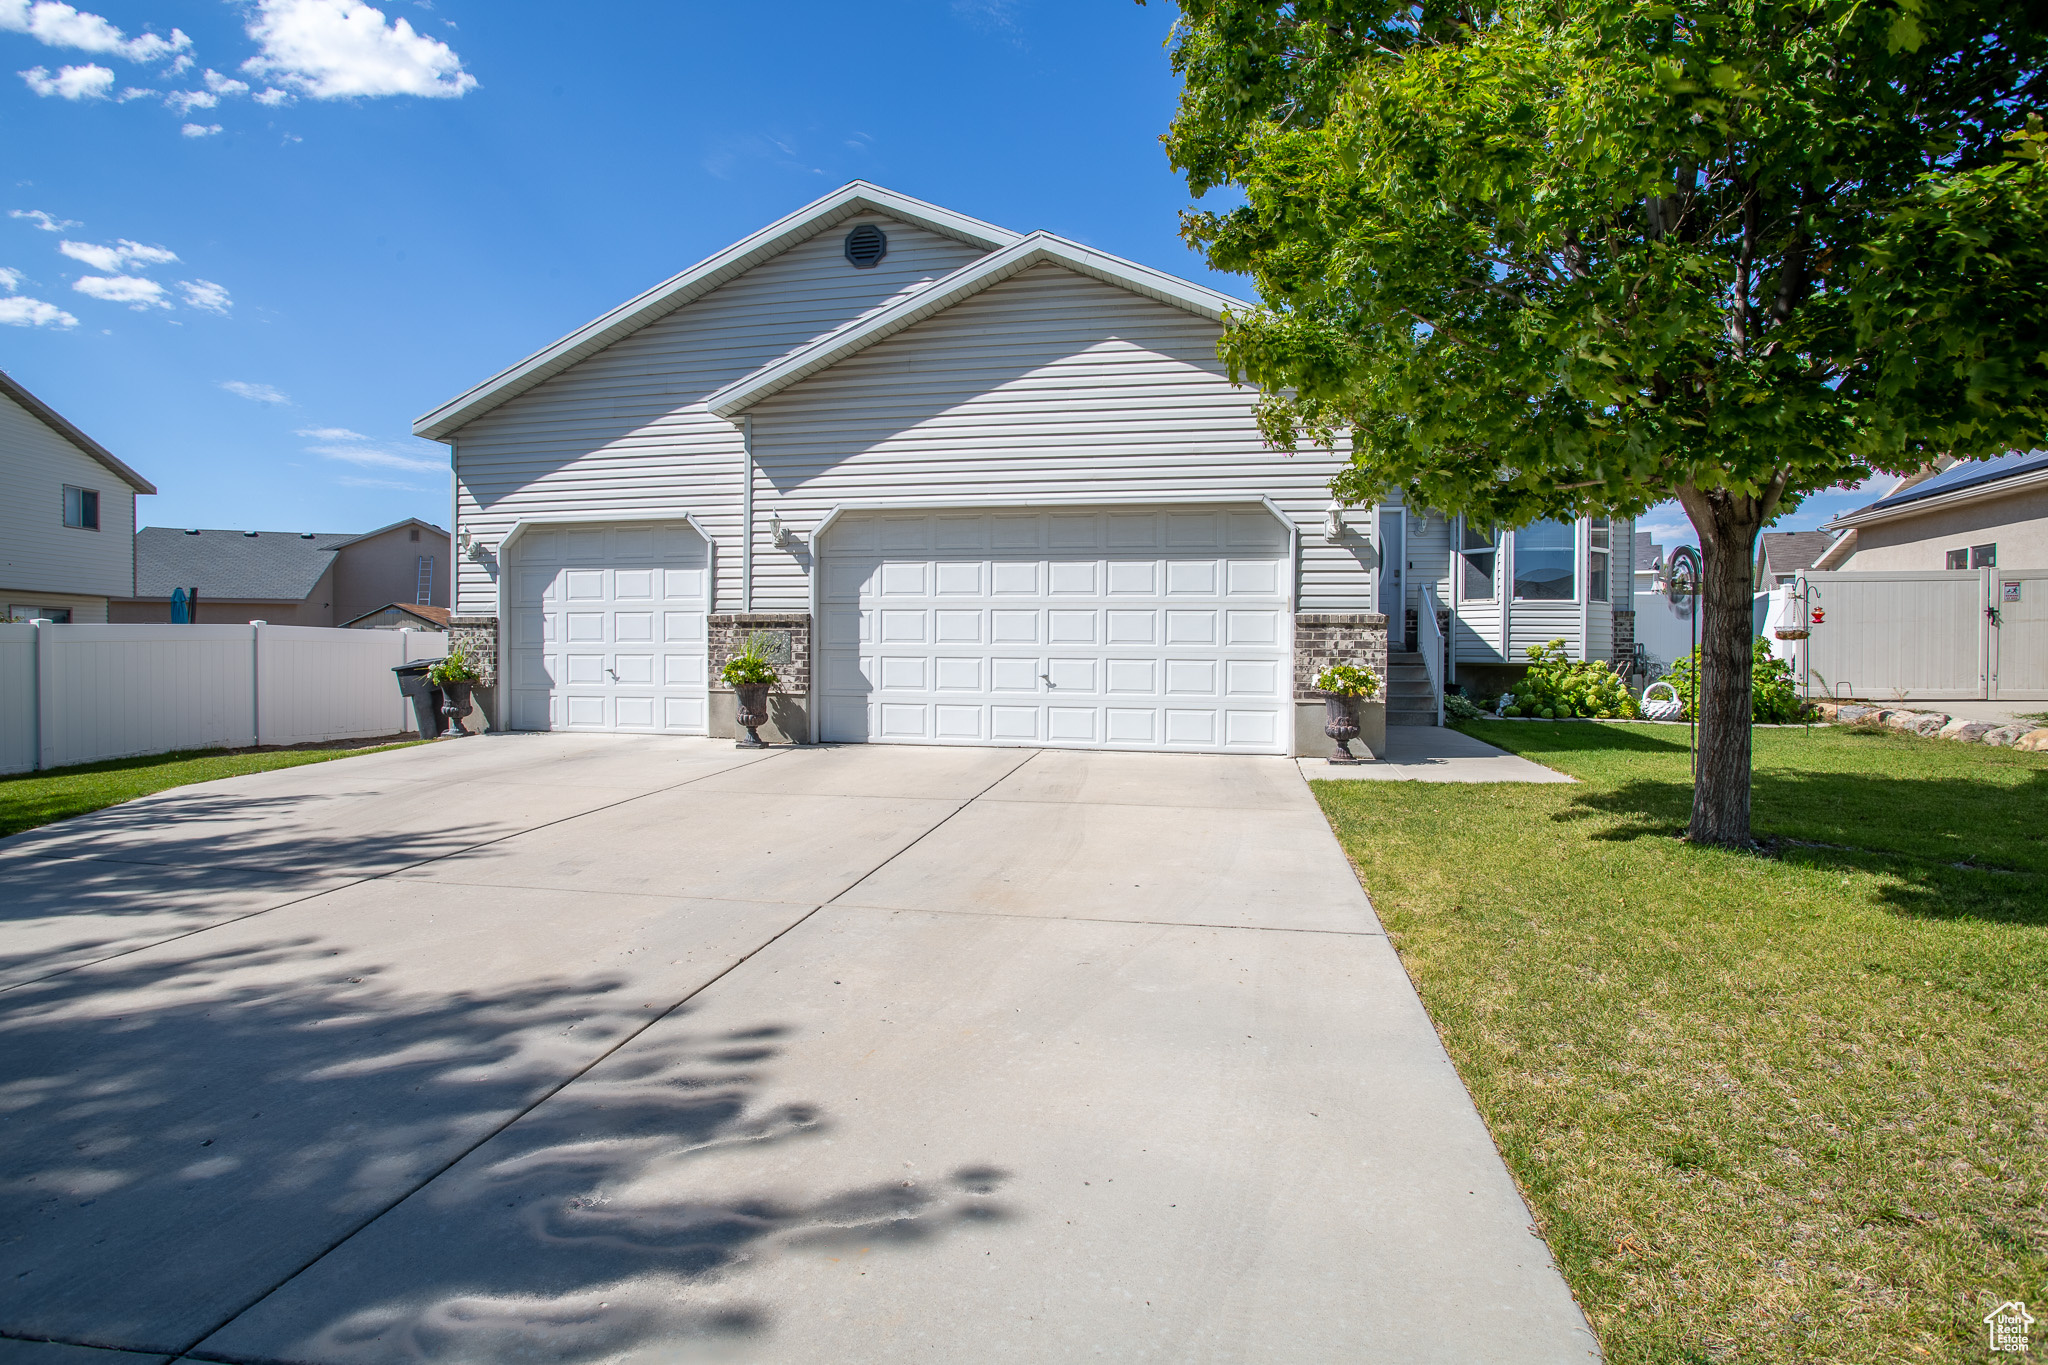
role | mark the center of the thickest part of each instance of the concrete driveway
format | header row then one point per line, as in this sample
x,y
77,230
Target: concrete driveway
x,y
595,1048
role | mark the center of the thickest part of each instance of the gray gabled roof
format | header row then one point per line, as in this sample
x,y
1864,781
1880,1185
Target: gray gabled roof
x,y
1791,551
699,280
55,421
264,566
1039,248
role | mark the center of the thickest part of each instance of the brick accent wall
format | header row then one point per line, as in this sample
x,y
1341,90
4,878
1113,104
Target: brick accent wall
x,y
729,632
479,636
1325,638
1624,640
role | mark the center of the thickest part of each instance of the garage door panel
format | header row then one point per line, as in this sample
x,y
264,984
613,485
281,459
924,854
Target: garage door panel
x,y
1129,628
607,629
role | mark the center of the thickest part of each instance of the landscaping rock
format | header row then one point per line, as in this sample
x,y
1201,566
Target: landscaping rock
x,y
1915,722
1854,715
1825,710
2034,742
1967,731
2006,735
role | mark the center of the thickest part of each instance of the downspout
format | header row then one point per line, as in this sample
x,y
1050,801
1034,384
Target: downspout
x,y
747,514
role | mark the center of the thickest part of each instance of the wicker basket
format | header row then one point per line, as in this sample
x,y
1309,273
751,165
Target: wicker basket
x,y
1667,707
1791,632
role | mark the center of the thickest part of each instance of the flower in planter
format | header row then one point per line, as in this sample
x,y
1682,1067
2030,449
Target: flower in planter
x,y
1348,680
749,666
456,668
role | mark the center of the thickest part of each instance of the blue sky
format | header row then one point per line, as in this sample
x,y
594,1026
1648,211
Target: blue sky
x,y
245,242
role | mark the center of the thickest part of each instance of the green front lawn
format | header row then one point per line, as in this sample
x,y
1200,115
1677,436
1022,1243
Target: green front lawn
x,y
31,799
1778,1106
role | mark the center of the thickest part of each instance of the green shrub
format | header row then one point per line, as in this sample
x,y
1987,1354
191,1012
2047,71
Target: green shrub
x,y
750,665
1348,680
1559,688
1458,706
1773,694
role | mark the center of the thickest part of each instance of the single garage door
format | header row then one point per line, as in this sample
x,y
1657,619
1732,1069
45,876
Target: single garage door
x,y
1111,628
607,628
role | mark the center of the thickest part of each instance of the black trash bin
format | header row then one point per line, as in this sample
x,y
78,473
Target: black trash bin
x,y
426,698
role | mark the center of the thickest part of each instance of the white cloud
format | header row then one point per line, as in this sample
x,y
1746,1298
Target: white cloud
x,y
55,24
342,49
351,481
273,97
206,296
70,82
225,85
20,312
10,280
43,220
132,290
185,101
255,393
330,434
122,255
136,92
374,458
200,129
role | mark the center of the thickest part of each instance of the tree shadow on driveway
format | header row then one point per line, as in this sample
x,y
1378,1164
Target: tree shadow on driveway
x,y
185,1130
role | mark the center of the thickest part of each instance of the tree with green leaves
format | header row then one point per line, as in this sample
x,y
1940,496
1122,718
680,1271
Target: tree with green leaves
x,y
1582,256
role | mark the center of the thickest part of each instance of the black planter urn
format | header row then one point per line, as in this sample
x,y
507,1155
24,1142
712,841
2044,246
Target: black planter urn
x,y
455,705
753,713
1341,725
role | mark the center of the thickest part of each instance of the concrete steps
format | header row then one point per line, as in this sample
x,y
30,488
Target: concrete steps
x,y
1410,699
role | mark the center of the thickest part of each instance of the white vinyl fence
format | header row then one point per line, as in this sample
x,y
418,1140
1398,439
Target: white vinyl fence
x,y
1928,635
1664,627
78,694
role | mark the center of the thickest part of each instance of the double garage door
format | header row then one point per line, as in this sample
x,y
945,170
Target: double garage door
x,y
607,629
1117,628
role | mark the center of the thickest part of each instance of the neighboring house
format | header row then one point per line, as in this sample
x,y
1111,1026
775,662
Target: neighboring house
x,y
67,515
398,616
1974,514
1781,555
984,488
1649,562
287,578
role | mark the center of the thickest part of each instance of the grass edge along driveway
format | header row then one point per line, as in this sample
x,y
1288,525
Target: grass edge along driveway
x,y
1778,1106
31,799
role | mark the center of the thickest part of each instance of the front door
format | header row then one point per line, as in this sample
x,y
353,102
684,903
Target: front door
x,y
1394,572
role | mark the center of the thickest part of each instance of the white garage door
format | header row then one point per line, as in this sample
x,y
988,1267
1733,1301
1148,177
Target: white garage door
x,y
607,629
1118,628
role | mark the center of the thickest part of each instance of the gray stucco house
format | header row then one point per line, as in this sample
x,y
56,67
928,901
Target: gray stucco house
x,y
286,578
989,487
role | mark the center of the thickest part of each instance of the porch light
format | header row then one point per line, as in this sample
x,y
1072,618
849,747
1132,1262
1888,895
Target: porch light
x,y
1333,523
778,534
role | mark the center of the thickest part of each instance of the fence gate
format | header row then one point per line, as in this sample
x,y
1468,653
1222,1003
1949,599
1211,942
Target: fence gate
x,y
2019,633
1900,636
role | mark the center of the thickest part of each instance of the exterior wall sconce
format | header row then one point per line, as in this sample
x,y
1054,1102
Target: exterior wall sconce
x,y
778,534
471,547
1333,523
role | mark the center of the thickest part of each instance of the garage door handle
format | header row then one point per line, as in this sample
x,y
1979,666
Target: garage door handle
x,y
1048,680
614,673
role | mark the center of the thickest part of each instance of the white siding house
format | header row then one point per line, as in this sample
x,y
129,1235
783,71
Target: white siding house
x,y
985,487
67,515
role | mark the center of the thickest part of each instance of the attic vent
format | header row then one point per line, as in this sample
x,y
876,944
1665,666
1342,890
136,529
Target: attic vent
x,y
191,532
250,534
305,535
866,245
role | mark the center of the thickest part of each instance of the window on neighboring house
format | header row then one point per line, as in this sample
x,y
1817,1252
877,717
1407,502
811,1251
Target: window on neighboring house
x,y
1478,549
1959,559
81,508
56,616
423,591
1543,562
1785,578
1983,556
1599,549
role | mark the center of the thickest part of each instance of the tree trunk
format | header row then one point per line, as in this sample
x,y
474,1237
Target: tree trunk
x,y
1728,526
